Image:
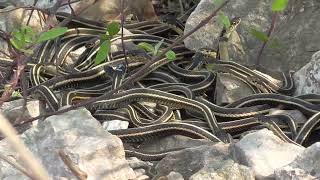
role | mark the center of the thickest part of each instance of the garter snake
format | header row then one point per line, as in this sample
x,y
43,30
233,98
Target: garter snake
x,y
177,88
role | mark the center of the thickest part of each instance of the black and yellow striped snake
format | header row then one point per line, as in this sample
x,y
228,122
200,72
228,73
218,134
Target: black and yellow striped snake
x,y
172,97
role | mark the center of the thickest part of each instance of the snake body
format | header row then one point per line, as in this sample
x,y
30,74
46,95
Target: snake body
x,y
170,97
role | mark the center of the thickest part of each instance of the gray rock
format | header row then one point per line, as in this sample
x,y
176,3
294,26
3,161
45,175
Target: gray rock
x,y
307,79
96,152
298,117
228,170
175,141
289,173
203,162
115,125
141,169
296,32
16,18
254,13
41,4
230,89
307,163
264,152
174,176
13,109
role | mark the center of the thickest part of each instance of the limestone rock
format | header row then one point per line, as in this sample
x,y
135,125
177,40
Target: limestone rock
x,y
13,109
307,79
115,125
228,170
171,142
264,152
96,152
174,176
230,89
296,32
307,164
203,162
142,169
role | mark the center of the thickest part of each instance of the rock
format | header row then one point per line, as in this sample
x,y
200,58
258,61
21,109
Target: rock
x,y
174,176
289,173
295,32
171,142
307,79
298,117
142,169
306,164
17,17
44,4
115,125
200,163
264,152
96,152
228,170
106,10
13,109
230,89
13,112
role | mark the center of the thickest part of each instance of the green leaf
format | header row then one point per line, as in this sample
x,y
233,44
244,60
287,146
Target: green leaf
x,y
102,52
27,51
146,46
28,33
259,35
275,43
279,5
171,55
113,28
157,47
217,3
224,20
52,33
209,67
16,43
16,94
104,37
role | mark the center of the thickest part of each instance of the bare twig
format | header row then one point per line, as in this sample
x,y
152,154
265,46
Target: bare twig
x,y
135,77
272,27
4,53
38,172
16,165
34,5
73,168
122,41
14,80
23,7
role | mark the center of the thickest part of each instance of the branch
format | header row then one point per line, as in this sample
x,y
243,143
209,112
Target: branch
x,y
72,167
134,77
38,172
272,27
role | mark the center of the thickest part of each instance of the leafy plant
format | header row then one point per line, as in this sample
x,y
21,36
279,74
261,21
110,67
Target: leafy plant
x,y
24,38
155,50
276,7
105,42
16,94
224,20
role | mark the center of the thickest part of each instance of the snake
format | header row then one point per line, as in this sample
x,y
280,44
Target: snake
x,y
171,97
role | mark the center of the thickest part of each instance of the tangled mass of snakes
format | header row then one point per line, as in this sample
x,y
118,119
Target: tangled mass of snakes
x,y
169,97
